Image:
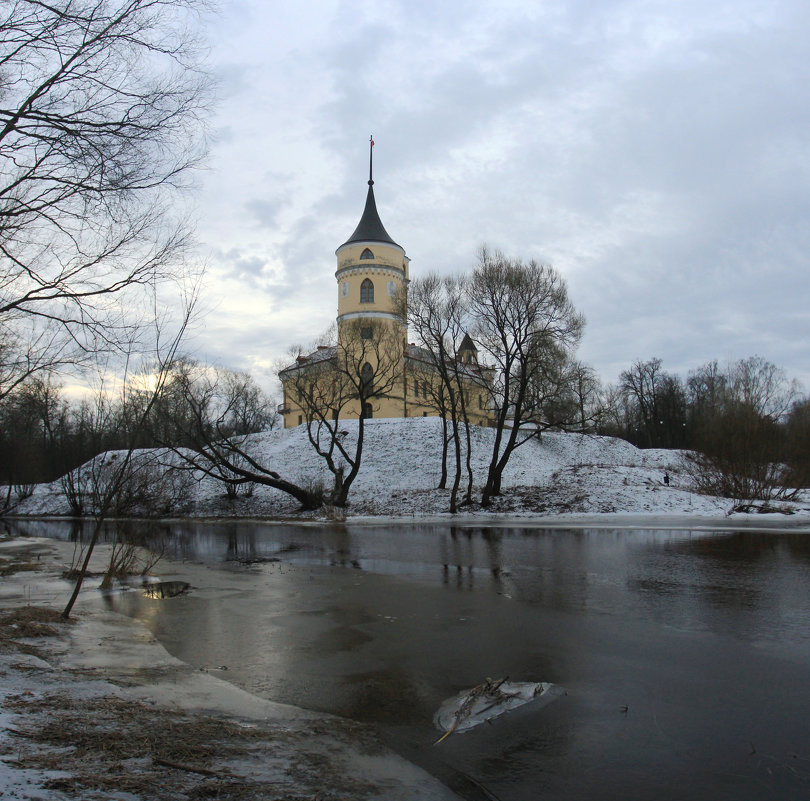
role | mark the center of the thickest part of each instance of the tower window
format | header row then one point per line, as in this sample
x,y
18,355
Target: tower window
x,y
367,378
366,254
367,291
368,411
366,332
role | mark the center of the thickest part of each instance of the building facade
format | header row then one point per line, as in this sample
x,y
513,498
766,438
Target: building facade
x,y
372,344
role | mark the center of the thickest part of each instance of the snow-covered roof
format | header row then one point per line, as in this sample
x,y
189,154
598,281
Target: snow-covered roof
x,y
322,354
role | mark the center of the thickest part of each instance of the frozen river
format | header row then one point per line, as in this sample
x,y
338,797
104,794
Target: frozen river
x,y
685,656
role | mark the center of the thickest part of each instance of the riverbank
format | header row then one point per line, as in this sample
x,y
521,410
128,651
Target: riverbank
x,y
97,708
557,476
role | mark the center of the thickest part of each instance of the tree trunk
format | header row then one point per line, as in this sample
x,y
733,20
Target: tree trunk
x,y
445,444
342,499
468,495
457,477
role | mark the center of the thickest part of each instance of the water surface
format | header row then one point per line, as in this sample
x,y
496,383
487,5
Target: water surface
x,y
685,656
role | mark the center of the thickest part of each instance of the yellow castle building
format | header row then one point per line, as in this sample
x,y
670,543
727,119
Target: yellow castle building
x,y
373,371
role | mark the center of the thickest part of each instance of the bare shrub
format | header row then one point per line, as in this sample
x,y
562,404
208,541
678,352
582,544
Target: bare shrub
x,y
738,457
12,495
149,486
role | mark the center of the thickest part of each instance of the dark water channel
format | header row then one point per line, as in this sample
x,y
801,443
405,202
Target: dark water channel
x,y
685,656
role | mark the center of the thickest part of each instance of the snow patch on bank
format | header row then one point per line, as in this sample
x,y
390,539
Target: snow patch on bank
x,y
558,473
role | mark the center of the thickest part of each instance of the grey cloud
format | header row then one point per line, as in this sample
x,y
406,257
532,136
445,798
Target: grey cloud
x,y
265,211
658,151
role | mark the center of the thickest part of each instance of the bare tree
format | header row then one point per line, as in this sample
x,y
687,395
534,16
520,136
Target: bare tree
x,y
739,435
208,417
762,387
431,392
527,324
101,106
343,381
585,398
121,473
797,434
738,457
706,389
436,311
657,402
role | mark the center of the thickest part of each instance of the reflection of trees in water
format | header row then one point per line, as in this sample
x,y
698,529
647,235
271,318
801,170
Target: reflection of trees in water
x,y
552,570
743,583
492,539
745,549
241,545
458,556
798,546
344,552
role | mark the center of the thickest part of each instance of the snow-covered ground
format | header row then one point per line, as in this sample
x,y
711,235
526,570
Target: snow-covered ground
x,y
561,474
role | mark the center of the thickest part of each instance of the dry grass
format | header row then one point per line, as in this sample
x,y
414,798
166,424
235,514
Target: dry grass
x,y
10,568
109,744
29,621
86,726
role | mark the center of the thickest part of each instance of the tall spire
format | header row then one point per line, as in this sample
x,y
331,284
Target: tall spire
x,y
370,227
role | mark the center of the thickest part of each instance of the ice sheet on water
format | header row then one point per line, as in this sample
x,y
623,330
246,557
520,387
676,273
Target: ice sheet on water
x,y
479,704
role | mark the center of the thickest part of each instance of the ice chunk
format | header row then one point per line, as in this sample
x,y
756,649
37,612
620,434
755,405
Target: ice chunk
x,y
488,700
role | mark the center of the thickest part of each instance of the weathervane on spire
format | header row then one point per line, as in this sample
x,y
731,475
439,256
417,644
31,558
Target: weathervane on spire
x,y
370,151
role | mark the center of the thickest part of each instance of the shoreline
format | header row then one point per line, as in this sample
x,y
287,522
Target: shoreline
x,y
106,662
560,479
766,521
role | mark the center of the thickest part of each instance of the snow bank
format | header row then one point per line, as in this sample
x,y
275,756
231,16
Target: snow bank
x,y
558,474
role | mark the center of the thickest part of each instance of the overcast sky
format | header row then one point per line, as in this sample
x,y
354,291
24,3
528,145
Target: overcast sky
x,y
656,152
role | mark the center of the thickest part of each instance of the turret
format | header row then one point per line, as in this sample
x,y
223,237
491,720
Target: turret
x,y
371,267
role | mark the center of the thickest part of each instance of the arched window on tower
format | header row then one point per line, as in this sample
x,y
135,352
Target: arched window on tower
x,y
366,254
367,291
367,378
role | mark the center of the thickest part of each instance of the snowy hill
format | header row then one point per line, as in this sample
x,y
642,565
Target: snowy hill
x,y
568,474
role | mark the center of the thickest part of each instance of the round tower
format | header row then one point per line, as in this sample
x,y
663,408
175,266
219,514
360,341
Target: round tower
x,y
371,267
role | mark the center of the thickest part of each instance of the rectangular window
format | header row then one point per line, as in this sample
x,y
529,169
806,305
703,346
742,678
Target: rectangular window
x,y
365,332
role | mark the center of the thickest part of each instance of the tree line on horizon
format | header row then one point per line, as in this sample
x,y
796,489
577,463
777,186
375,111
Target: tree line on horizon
x,y
747,424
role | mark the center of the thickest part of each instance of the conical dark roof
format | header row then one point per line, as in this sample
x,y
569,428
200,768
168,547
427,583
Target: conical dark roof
x,y
467,344
370,227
